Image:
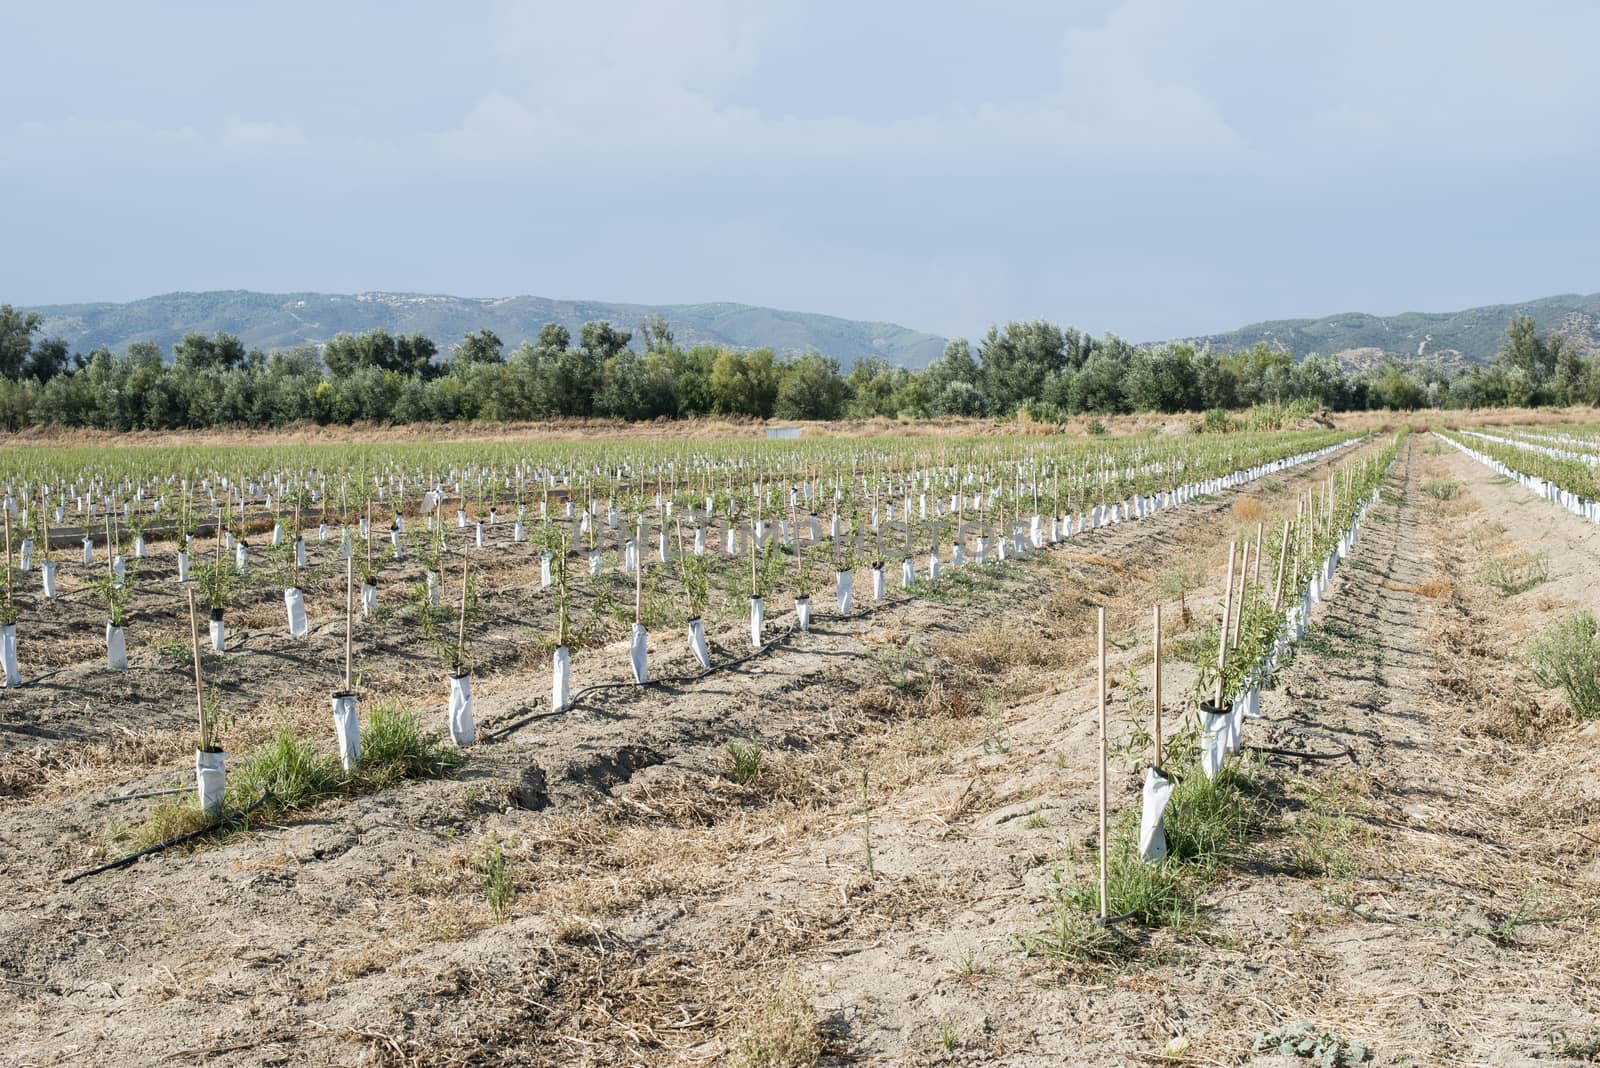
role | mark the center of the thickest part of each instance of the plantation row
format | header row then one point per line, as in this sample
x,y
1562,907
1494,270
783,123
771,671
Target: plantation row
x,y
1558,475
1151,871
679,527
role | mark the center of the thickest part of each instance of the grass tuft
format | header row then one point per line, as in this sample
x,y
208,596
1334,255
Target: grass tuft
x,y
1207,820
746,762
782,1032
1515,574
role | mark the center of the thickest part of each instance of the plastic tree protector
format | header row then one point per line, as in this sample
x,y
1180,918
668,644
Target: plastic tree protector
x,y
638,654
560,679
8,654
463,730
844,586
219,632
347,727
294,602
210,779
697,642
802,612
1152,834
757,611
116,647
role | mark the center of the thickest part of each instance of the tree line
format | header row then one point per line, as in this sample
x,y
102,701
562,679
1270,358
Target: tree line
x,y
1047,370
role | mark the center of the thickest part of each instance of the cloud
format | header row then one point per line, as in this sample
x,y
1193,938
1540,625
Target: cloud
x,y
674,87
243,135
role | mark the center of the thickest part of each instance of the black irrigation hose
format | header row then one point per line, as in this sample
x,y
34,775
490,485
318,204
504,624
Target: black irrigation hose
x,y
1111,921
123,862
142,796
1303,755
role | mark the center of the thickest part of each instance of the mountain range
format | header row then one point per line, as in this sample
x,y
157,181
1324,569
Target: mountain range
x,y
1454,339
280,320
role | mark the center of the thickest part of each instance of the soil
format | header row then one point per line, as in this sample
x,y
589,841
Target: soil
x,y
927,781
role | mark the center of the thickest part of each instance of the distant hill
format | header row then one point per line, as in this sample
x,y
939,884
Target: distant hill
x,y
281,320
1459,338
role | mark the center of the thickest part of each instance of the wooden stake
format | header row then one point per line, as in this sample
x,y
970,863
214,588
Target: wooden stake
x,y
1283,558
1155,704
1100,697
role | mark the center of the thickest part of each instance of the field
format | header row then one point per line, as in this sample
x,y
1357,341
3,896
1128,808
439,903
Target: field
x,y
863,823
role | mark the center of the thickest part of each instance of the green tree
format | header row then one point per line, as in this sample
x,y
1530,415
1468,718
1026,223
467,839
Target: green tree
x,y
1016,362
482,346
811,388
745,383
196,352
48,359
16,339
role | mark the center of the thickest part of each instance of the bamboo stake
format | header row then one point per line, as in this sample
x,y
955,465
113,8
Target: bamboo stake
x,y
1155,703
349,611
1227,605
1100,698
1244,578
199,691
461,622
1255,579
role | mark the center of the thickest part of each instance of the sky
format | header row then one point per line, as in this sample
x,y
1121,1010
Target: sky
x,y
1152,168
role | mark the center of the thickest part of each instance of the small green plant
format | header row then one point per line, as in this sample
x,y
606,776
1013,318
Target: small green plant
x,y
117,594
1441,489
1324,1049
1568,655
499,887
1529,912
1158,894
1584,1050
218,582
746,762
949,1038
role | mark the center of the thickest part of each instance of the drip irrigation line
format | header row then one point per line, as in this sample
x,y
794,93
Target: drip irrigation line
x,y
1303,754
162,846
1111,921
141,796
1341,752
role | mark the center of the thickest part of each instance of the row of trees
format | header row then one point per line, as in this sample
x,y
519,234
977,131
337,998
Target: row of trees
x,y
1048,370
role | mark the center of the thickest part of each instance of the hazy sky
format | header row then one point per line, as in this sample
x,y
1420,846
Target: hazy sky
x,y
1149,167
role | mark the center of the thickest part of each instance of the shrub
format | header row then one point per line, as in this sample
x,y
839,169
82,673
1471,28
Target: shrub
x,y
1568,655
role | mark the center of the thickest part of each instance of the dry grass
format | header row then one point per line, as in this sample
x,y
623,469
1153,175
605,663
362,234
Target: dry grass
x,y
1248,510
1435,588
